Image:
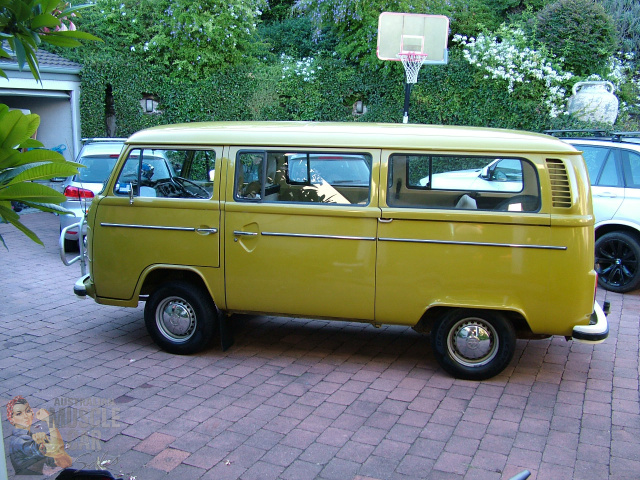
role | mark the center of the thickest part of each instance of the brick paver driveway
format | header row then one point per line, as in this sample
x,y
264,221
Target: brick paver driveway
x,y
303,399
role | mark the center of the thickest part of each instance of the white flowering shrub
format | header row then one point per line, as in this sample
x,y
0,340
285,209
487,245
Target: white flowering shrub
x,y
305,68
506,57
622,71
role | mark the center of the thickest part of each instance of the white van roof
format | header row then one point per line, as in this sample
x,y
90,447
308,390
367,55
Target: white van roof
x,y
351,135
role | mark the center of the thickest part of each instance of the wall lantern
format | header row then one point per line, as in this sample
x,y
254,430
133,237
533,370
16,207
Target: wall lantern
x,y
149,104
359,108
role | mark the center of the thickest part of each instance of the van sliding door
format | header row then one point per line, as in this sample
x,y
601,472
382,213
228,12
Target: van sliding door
x,y
300,232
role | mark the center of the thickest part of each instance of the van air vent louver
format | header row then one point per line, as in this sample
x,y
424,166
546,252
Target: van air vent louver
x,y
560,188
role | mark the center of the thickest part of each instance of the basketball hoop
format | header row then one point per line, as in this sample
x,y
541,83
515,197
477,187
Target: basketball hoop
x,y
413,39
412,61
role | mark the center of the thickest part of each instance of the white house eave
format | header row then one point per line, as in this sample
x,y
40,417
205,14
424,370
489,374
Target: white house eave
x,y
43,69
25,92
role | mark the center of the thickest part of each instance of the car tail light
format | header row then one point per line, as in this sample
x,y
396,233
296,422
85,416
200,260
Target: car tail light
x,y
75,193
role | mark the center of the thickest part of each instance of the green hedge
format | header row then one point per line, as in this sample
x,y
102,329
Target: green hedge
x,y
454,94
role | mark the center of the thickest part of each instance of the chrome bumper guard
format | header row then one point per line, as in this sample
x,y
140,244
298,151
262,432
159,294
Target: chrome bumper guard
x,y
80,289
82,256
597,330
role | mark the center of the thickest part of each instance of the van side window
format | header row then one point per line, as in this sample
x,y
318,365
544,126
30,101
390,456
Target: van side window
x,y
303,177
463,182
167,173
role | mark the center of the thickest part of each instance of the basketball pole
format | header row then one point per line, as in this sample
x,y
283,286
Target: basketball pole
x,y
412,62
407,97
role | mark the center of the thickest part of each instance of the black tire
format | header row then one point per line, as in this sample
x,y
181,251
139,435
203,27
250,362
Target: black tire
x,y
180,317
473,344
617,257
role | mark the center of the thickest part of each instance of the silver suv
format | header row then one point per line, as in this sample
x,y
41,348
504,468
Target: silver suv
x,y
98,155
614,168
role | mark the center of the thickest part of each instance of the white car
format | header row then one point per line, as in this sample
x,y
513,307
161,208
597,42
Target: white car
x,y
614,169
503,175
98,156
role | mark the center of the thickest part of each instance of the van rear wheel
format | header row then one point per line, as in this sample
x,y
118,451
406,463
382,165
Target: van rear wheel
x,y
180,317
473,344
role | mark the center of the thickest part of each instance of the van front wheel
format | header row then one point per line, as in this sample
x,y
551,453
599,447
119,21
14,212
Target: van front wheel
x,y
180,317
473,344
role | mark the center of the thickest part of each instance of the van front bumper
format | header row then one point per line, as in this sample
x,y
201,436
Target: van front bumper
x,y
597,330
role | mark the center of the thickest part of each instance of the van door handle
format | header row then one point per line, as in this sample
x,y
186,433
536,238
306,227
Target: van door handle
x,y
238,233
385,220
206,231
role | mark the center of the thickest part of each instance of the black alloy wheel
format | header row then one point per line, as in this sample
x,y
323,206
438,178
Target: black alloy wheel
x,y
617,256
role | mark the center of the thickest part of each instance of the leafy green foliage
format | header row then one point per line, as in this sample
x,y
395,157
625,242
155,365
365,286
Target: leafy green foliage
x,y
626,17
471,17
580,31
295,37
277,11
510,7
355,23
26,24
453,94
18,169
194,38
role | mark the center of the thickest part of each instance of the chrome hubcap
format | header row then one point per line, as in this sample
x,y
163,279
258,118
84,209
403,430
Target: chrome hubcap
x,y
176,319
472,342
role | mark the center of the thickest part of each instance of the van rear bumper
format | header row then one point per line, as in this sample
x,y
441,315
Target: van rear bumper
x,y
597,330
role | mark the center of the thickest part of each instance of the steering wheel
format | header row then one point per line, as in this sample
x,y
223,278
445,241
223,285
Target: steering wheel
x,y
181,182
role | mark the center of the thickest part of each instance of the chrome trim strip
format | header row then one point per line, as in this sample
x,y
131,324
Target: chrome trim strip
x,y
239,233
309,235
479,244
148,227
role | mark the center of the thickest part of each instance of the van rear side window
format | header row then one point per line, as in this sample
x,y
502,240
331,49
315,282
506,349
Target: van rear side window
x,y
463,182
303,177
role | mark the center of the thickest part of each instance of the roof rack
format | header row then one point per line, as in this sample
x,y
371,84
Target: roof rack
x,y
595,133
618,136
103,139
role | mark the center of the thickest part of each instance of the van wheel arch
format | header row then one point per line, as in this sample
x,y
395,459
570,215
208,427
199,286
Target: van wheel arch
x,y
154,278
520,324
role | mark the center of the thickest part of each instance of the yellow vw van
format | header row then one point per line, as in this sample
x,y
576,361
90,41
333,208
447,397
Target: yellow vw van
x,y
476,236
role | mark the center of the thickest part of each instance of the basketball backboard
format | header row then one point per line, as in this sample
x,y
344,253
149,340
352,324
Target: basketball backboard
x,y
416,33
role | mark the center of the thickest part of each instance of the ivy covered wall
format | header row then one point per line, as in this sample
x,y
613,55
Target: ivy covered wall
x,y
324,91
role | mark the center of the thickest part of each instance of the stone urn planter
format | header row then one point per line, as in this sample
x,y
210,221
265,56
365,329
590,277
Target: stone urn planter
x,y
594,102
